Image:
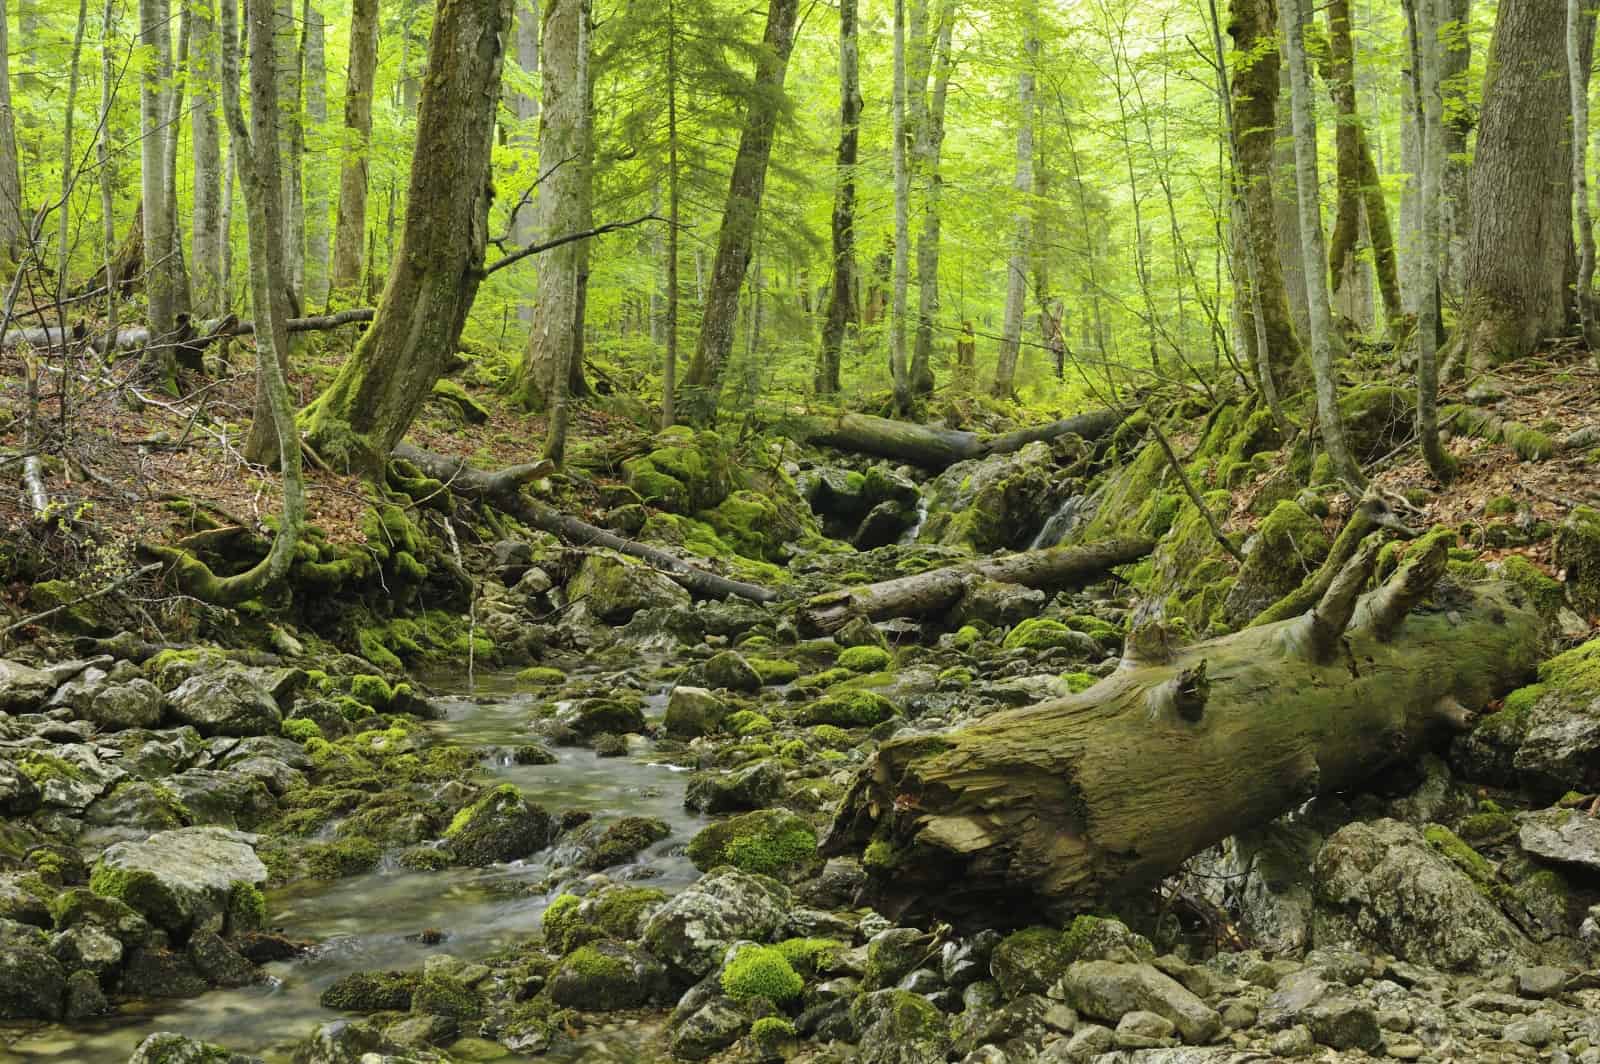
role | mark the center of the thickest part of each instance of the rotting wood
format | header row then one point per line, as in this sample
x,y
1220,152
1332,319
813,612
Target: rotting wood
x,y
933,447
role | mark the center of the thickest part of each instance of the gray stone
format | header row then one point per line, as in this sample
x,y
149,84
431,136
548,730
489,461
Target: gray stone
x,y
84,997
609,975
1109,990
965,961
1536,1031
892,954
693,930
614,587
1294,1042
693,712
87,947
709,1030
752,787
1085,1045
19,795
1566,835
899,1028
219,963
501,826
227,701
1541,981
165,1047
114,707
180,880
1334,1016
729,671
23,689
33,985
1143,1030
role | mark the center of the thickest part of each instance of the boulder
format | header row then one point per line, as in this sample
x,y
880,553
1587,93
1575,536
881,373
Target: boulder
x,y
604,976
33,985
1577,554
602,716
693,712
23,689
898,1027
693,930
1381,888
729,671
1335,1017
181,880
227,701
501,826
165,1047
135,704
19,795
708,1030
773,842
1287,547
1568,836
615,587
752,787
990,503
1109,990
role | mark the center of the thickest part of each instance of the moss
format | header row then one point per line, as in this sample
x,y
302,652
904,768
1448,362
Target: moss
x,y
371,643
592,964
371,690
1464,857
850,709
1102,632
1547,594
1577,671
794,749
541,676
825,678
748,722
1530,444
769,1033
773,671
1486,826
440,995
560,918
761,972
1039,633
343,857
425,859
808,955
123,884
831,735
966,637
41,768
371,992
300,729
614,912
247,908
865,659
1500,506
1078,681
765,842
879,856
955,678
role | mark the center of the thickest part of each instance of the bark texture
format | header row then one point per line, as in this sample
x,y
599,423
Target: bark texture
x,y
934,447
315,87
930,148
358,420
1055,809
899,370
350,231
205,51
1005,371
155,184
11,224
842,312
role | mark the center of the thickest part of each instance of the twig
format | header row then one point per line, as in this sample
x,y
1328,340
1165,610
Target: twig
x,y
534,249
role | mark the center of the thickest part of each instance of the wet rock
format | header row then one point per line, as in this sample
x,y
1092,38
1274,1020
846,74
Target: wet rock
x,y
615,587
84,997
1108,990
884,524
218,962
753,787
693,930
899,1028
23,689
230,798
343,1042
1380,888
693,712
81,908
19,795
135,704
729,671
180,880
228,701
710,1029
998,604
609,975
87,947
966,961
441,994
165,1047
990,503
1566,835
371,992
773,842
501,826
602,716
19,903
625,840
33,985
160,973
894,953
1016,1029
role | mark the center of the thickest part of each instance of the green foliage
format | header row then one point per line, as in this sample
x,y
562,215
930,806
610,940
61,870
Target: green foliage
x,y
865,659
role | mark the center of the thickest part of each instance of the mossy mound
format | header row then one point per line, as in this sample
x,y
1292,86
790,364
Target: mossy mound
x,y
1288,546
687,471
771,842
501,826
1577,551
613,912
865,659
371,992
849,709
761,972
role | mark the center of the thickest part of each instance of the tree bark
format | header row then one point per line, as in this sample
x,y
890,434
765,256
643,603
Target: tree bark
x,y
350,230
1580,53
525,231
290,56
381,386
155,33
210,300
842,311
1051,569
936,448
11,221
702,385
1431,123
929,151
899,371
103,156
1460,117
1085,802
315,87
1294,19
1005,370
669,367
1516,269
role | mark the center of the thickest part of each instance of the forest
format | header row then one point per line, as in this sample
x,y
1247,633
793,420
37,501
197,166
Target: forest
x,y
884,531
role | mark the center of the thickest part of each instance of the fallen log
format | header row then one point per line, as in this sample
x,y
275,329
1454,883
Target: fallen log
x,y
189,337
936,448
503,491
1085,802
938,589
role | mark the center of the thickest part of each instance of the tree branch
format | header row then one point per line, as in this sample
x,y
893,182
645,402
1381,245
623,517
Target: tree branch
x,y
535,249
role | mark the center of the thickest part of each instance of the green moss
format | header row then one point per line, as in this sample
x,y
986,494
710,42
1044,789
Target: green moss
x,y
371,690
774,671
747,722
343,857
1487,826
368,992
1078,681
541,676
1038,633
850,709
865,659
1530,444
300,729
1576,671
41,768
614,912
825,678
831,736
560,918
1464,857
247,908
1547,594
966,637
1500,506
808,955
593,964
120,883
879,856
505,792
371,643
761,972
765,842
769,1033
440,995
955,678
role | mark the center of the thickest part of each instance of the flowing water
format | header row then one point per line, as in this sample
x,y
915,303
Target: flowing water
x,y
370,921
910,535
1060,523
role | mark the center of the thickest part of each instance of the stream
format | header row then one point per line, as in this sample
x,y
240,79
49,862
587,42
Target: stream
x,y
371,921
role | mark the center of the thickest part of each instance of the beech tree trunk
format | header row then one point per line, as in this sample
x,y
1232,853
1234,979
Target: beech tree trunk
x,y
1085,802
1455,206
315,87
842,311
702,385
525,231
933,447
155,33
930,148
1050,569
1005,370
899,371
350,231
11,221
1431,123
286,45
432,281
205,50
1516,269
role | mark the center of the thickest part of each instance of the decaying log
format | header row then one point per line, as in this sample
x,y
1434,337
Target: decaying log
x,y
503,491
936,448
938,589
1085,802
191,337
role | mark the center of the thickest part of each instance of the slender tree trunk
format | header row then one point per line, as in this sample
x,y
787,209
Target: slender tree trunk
x,y
902,219
842,312
569,349
1580,25
11,223
1294,18
1431,122
929,152
287,44
1005,370
1410,198
1254,102
563,204
315,86
69,161
1456,206
230,174
182,297
155,33
703,383
435,275
103,155
527,141
669,372
350,229
1516,269
205,50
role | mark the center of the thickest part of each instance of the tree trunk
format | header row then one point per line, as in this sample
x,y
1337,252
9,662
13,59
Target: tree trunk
x,y
210,300
1431,123
69,162
155,33
929,151
11,222
351,228
936,448
1252,25
669,370
702,385
103,156
899,371
563,203
291,142
1050,569
182,297
1085,802
527,141
434,277
1516,282
1005,370
1456,206
1294,18
316,184
842,311
1580,51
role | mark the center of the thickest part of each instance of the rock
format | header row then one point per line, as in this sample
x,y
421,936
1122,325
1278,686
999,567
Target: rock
x,y
729,671
693,712
441,994
231,798
344,1042
135,704
710,1029
1108,990
990,503
615,587
160,973
1086,1044
604,976
892,954
19,795
1334,1016
218,962
1143,1030
1294,1042
965,961
693,930
625,840
998,604
371,992
772,842
501,826
883,525
1536,1031
87,947
84,997
33,985
1380,888
1566,835
23,689
1030,961
602,716
1541,981
225,702
1577,553
165,1047
1288,546
899,1028
180,880
82,908
752,787
22,905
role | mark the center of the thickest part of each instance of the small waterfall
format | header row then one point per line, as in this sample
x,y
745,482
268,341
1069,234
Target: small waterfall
x,y
1063,521
910,534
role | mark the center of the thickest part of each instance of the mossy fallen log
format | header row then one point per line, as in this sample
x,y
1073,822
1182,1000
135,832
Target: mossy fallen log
x,y
1087,801
936,448
939,589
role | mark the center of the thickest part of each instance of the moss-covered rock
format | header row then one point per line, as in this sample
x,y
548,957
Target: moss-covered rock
x,y
1377,419
1029,961
990,503
693,712
606,975
501,826
614,587
624,840
760,972
772,842
1042,633
729,671
1577,553
613,912
1289,546
371,992
865,658
850,709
